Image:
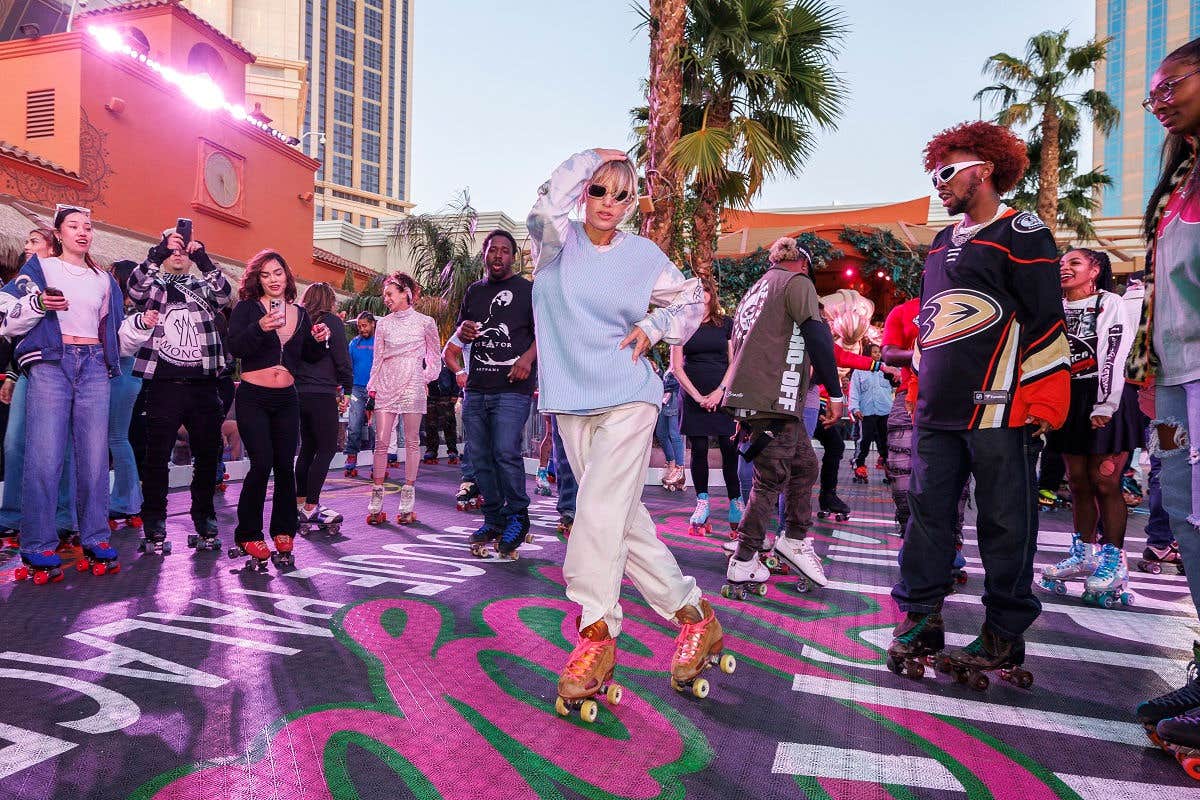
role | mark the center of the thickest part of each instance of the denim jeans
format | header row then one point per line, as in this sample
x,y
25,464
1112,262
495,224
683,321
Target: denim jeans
x,y
126,495
1176,480
14,470
359,435
493,425
568,487
197,406
69,399
1158,527
1003,461
666,430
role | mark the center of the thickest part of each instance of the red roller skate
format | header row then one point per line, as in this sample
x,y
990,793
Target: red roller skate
x,y
256,549
130,520
283,558
45,567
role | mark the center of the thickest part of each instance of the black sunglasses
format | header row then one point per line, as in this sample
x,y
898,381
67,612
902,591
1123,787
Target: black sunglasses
x,y
597,191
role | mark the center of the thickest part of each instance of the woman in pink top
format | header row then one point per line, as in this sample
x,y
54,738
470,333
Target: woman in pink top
x,y
408,355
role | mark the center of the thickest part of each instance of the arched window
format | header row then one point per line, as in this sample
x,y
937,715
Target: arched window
x,y
137,40
203,58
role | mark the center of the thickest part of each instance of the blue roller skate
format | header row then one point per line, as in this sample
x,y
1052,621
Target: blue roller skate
x,y
543,482
699,524
1108,586
515,533
1081,561
481,540
737,510
42,567
99,559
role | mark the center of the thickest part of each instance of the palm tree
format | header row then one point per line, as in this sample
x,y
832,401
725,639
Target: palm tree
x,y
1040,87
439,250
758,76
1078,197
665,19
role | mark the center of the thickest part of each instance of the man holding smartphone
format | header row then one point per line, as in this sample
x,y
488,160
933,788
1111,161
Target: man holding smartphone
x,y
180,365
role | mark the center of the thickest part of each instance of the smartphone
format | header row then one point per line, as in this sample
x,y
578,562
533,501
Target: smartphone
x,y
52,291
183,226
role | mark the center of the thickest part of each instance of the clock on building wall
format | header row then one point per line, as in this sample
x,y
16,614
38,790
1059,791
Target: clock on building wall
x,y
219,180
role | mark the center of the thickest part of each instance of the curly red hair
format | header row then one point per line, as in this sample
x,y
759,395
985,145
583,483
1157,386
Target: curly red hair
x,y
989,142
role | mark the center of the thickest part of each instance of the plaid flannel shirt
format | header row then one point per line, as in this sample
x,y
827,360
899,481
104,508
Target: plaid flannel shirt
x,y
206,295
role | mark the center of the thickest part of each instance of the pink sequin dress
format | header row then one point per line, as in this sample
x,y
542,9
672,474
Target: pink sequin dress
x,y
408,355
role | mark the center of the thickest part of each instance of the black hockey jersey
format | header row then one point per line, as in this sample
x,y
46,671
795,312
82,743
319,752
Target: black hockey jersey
x,y
991,347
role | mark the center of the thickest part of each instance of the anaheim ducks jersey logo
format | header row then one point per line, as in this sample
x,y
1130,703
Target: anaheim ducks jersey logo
x,y
956,314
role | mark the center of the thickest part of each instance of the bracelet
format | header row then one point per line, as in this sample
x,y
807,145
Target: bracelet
x,y
462,371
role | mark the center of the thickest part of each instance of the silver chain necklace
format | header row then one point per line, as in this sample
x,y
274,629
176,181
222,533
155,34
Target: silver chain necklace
x,y
961,235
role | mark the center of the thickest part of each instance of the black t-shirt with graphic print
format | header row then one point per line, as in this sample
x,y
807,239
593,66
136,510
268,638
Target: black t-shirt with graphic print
x,y
504,312
178,339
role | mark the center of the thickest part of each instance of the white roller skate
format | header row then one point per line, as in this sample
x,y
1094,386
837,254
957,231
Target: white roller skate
x,y
408,502
321,518
766,555
1078,565
375,515
1108,586
744,579
804,559
699,525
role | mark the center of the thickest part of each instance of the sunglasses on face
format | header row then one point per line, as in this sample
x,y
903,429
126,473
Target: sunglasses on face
x,y
597,191
947,173
1165,91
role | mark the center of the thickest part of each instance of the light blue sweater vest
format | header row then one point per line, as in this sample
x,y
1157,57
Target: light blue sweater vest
x,y
584,303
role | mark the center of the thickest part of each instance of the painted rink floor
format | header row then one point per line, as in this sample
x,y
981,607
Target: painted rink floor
x,y
391,663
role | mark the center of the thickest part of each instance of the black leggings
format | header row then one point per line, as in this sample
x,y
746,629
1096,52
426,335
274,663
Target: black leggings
x,y
269,422
834,447
729,464
318,443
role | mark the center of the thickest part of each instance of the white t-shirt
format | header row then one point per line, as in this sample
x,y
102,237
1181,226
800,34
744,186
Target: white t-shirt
x,y
86,291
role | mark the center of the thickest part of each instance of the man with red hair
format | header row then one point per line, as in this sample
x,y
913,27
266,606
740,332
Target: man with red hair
x,y
992,363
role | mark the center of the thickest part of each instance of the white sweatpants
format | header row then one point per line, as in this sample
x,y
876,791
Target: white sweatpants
x,y
613,534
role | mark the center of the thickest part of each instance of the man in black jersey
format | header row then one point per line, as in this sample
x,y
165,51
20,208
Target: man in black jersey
x,y
992,364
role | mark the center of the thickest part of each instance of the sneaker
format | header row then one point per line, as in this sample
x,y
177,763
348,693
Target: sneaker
x,y
801,555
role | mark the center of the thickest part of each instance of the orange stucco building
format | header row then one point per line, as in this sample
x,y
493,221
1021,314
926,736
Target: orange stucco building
x,y
104,122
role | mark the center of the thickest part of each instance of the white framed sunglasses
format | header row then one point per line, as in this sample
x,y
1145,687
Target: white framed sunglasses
x,y
598,191
947,173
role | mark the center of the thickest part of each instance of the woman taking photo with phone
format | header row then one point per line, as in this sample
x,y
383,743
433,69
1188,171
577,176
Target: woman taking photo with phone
x,y
71,314
272,336
408,355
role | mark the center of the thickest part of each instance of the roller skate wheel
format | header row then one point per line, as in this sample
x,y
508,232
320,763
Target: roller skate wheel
x,y
99,569
589,710
1023,678
1190,764
728,663
1126,599
82,565
914,670
193,539
335,529
560,707
529,538
771,562
113,525
114,568
1109,601
41,578
614,694
1151,567
761,590
960,578
894,665
21,573
166,548
979,682
1059,588
802,585
726,592
700,688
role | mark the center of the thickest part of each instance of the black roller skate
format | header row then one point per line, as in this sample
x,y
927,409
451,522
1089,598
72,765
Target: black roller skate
x,y
1180,736
154,539
43,567
320,519
283,558
515,533
99,559
744,579
1172,704
130,520
988,653
481,540
1155,559
916,640
860,475
257,551
468,498
350,468
206,535
832,506
564,526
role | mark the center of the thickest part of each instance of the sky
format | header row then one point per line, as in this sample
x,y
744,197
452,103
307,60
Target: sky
x,y
504,92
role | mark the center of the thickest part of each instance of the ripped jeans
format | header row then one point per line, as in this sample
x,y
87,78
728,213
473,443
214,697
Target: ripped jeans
x,y
1180,478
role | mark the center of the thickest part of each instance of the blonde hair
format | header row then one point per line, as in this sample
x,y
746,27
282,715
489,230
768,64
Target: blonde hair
x,y
787,249
616,176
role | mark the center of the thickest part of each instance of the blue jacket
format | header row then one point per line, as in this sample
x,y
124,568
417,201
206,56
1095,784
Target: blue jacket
x,y
362,355
22,314
870,393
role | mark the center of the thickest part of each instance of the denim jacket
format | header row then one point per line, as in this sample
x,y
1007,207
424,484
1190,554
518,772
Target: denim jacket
x,y
22,314
671,403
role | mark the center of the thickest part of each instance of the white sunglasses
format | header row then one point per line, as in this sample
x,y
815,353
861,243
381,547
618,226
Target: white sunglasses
x,y
947,173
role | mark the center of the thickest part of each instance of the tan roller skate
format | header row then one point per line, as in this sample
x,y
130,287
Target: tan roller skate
x,y
698,646
588,674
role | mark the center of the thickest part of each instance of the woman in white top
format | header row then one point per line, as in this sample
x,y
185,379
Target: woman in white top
x,y
408,355
70,312
1103,426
